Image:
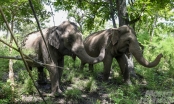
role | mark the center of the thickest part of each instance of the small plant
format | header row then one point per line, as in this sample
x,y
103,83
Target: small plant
x,y
70,76
73,93
28,86
6,93
117,96
91,85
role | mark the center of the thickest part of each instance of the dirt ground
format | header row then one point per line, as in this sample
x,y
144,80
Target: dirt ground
x,y
100,96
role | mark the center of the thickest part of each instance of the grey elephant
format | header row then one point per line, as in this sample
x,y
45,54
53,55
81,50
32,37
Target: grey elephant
x,y
61,40
118,42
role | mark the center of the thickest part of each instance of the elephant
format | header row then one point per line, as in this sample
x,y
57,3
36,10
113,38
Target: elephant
x,y
61,40
118,43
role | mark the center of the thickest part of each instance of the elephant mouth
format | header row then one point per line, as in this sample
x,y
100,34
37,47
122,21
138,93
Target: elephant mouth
x,y
123,50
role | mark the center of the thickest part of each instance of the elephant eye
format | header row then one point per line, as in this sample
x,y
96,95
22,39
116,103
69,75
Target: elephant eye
x,y
128,41
70,39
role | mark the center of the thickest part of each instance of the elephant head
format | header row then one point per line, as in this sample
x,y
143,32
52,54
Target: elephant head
x,y
68,39
124,40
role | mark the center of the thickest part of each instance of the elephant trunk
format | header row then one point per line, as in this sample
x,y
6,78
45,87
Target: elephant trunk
x,y
81,53
134,48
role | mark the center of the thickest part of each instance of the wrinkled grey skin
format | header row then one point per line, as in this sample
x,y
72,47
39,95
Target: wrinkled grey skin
x,y
62,40
118,42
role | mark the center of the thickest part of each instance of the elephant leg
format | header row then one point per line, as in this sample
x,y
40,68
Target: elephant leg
x,y
54,77
60,69
123,64
91,67
74,61
42,79
107,66
30,68
82,64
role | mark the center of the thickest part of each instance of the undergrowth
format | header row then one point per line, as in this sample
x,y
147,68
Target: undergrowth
x,y
79,83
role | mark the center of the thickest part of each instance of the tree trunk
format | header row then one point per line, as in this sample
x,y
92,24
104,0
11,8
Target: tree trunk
x,y
121,8
11,73
123,20
112,12
153,26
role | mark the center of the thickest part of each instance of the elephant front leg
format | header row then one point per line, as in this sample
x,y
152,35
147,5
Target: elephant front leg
x,y
82,64
91,67
123,64
60,69
54,77
107,66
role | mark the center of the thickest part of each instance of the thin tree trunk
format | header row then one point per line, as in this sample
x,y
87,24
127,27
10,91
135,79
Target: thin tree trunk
x,y
153,26
11,73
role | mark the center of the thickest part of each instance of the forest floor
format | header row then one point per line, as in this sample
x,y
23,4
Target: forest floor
x,y
85,87
101,95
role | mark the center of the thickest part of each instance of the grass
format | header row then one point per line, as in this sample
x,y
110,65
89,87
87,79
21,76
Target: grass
x,y
73,94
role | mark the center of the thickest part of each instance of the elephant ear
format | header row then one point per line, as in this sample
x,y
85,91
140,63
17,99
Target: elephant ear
x,y
116,32
115,36
53,39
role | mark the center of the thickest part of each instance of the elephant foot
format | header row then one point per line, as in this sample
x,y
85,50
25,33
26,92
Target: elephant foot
x,y
128,82
49,95
42,82
101,77
57,94
105,76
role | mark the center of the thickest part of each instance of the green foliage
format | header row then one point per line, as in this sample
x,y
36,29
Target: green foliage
x,y
91,85
154,33
6,93
26,82
90,15
73,94
117,96
3,62
19,14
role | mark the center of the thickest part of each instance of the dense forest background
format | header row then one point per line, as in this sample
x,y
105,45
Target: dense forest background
x,y
153,21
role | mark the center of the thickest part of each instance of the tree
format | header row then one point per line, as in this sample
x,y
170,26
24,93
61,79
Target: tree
x,y
17,13
91,14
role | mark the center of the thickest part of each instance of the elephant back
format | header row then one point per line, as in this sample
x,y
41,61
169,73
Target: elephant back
x,y
31,39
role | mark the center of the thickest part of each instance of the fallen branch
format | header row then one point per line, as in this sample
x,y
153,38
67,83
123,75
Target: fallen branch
x,y
29,59
15,58
32,61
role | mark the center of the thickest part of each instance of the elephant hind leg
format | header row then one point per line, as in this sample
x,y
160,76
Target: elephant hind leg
x,y
30,68
82,64
91,67
107,66
54,77
42,79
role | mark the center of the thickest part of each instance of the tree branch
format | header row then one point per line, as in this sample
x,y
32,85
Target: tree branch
x,y
19,50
